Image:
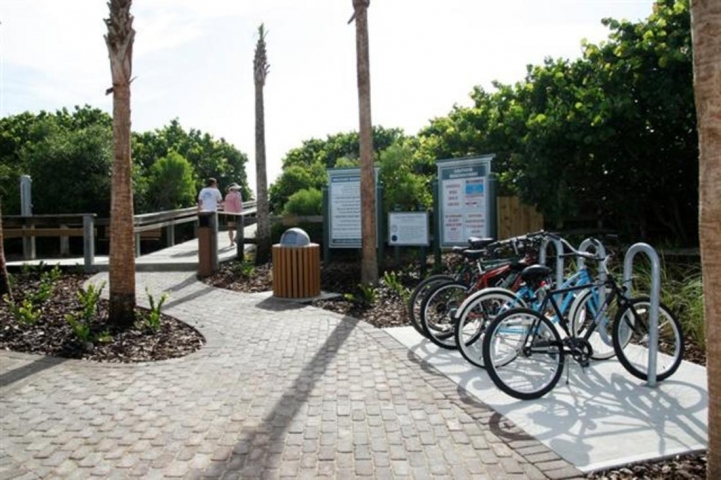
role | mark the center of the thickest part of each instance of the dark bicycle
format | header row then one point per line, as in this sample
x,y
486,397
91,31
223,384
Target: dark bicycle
x,y
524,350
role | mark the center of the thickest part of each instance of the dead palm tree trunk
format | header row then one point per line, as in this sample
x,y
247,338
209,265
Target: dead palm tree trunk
x,y
260,72
369,262
4,280
122,246
706,34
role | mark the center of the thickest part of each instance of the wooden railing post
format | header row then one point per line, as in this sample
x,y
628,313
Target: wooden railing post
x,y
29,252
64,243
89,241
170,234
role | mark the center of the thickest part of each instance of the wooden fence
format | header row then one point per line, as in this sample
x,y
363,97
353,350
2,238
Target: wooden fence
x,y
515,218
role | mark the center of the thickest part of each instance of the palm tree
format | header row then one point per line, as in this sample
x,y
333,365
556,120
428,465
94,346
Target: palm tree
x,y
369,262
122,246
4,280
706,35
260,72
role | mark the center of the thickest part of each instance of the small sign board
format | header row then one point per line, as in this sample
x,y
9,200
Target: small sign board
x,y
408,228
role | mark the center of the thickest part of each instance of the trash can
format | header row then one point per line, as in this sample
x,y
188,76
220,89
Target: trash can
x,y
207,243
296,266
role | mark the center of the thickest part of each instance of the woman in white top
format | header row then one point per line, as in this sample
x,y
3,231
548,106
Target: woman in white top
x,y
209,197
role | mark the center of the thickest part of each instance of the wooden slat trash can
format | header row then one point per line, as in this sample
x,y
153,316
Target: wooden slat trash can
x,y
296,266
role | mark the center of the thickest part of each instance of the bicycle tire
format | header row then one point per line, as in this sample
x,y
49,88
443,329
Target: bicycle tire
x,y
523,370
475,314
417,296
438,313
584,312
630,339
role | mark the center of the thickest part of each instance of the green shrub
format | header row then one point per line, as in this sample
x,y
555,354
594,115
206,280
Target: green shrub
x,y
25,313
152,319
308,201
80,322
391,280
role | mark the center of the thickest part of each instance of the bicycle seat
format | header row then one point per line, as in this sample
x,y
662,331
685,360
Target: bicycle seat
x,y
535,273
479,242
473,254
519,266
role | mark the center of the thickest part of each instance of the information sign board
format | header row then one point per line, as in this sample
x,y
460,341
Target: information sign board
x,y
464,203
345,207
408,228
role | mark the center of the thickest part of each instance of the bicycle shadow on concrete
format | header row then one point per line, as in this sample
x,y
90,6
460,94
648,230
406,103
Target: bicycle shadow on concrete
x,y
602,417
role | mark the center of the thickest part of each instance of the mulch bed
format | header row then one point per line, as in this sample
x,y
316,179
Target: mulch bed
x,y
51,334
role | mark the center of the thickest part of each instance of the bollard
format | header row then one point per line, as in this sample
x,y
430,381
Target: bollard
x,y
558,246
207,243
655,294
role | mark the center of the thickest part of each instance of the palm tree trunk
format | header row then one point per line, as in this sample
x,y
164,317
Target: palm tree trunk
x,y
706,34
369,262
4,280
122,245
262,254
260,72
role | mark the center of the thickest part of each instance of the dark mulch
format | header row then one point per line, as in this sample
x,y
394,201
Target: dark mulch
x,y
51,333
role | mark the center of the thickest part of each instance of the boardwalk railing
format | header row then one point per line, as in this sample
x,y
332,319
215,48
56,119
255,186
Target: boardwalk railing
x,y
85,225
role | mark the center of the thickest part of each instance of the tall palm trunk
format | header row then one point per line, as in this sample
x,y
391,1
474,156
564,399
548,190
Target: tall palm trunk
x,y
369,262
260,72
706,35
4,280
122,246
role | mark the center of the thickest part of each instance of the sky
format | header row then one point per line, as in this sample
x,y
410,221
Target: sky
x,y
193,60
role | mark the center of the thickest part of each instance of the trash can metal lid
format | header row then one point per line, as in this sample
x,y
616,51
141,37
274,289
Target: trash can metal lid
x,y
294,237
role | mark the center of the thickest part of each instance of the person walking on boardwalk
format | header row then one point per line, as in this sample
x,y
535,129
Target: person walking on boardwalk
x,y
209,197
233,204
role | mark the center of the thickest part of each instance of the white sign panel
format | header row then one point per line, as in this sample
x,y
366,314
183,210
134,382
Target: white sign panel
x,y
345,207
408,228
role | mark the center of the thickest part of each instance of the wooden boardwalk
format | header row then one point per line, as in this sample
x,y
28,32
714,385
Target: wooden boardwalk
x,y
180,257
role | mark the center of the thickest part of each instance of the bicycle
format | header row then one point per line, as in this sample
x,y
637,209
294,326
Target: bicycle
x,y
438,314
483,306
472,265
524,351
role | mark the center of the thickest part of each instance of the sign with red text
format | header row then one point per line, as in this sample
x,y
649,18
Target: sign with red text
x,y
463,203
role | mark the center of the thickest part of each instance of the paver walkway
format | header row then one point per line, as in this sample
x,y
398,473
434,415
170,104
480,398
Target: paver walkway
x,y
280,390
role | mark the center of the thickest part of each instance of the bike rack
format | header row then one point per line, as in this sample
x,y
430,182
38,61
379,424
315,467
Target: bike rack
x,y
600,250
655,293
558,247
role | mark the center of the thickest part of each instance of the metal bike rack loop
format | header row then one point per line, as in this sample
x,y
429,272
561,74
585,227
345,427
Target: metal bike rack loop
x,y
558,246
655,293
600,251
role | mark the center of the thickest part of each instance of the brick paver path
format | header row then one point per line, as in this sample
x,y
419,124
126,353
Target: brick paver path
x,y
280,390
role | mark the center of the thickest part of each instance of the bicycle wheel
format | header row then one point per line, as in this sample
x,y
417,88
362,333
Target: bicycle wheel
x,y
523,353
419,293
585,315
475,315
631,339
438,312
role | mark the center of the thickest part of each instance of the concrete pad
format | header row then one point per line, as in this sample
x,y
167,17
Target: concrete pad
x,y
603,417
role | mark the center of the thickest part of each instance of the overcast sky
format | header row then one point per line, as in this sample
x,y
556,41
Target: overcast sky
x,y
193,60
